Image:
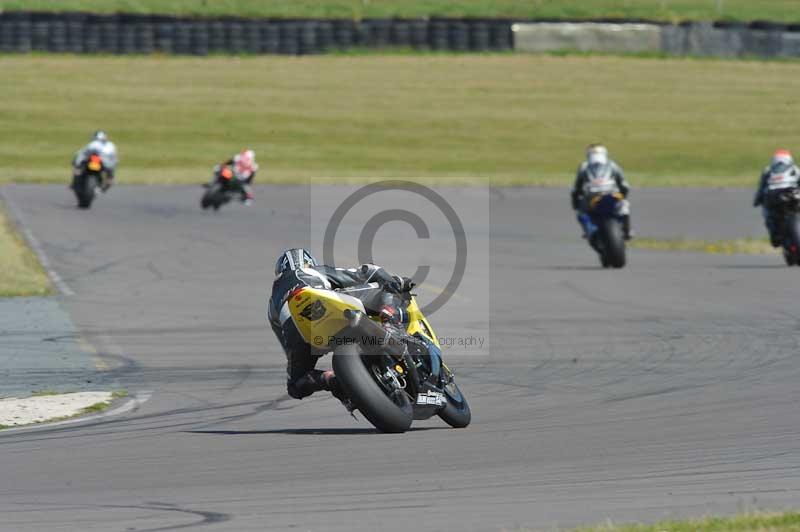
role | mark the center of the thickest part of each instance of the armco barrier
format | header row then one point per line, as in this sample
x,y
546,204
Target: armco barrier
x,y
140,34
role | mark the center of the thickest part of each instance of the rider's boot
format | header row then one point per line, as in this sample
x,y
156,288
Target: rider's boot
x,y
627,232
314,381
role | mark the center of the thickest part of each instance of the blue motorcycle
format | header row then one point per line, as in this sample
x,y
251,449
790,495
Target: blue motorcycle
x,y
603,221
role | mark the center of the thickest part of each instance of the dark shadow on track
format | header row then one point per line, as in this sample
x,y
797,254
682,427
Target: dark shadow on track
x,y
570,268
752,266
309,432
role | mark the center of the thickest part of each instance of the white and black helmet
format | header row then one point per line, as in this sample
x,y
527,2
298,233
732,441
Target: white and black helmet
x,y
100,136
294,259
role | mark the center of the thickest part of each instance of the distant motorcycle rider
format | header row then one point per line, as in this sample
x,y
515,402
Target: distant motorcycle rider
x,y
781,175
298,268
244,167
597,175
101,145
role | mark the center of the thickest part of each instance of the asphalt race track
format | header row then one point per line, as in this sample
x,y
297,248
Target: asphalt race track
x,y
668,389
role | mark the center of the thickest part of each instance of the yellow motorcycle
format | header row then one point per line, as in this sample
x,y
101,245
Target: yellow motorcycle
x,y
390,369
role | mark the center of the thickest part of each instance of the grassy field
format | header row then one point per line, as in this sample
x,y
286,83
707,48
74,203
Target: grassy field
x,y
517,119
671,10
20,271
784,522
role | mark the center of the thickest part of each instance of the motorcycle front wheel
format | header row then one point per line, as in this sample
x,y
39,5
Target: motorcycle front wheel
x,y
456,412
613,243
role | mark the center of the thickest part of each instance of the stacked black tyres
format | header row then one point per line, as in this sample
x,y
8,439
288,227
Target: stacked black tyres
x,y
251,37
326,36
91,35
164,35
200,37
500,36
6,34
479,36
418,34
377,33
438,35
145,36
216,36
40,32
57,35
400,33
182,37
126,43
75,26
307,37
109,34
22,32
237,39
270,37
289,38
345,34
16,32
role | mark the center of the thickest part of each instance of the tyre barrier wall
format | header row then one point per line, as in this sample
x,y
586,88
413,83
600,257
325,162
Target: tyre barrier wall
x,y
138,34
763,39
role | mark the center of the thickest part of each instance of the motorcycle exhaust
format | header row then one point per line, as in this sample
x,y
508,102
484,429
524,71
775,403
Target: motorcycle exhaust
x,y
376,335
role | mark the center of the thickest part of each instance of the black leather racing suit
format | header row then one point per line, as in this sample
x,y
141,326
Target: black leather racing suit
x,y
301,357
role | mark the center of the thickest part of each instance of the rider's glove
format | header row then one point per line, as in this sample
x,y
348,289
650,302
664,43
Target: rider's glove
x,y
399,284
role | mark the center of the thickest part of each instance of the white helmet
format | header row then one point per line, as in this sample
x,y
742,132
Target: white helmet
x,y
100,136
597,154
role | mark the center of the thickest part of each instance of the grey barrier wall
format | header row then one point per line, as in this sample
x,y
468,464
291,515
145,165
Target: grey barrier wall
x,y
129,34
701,38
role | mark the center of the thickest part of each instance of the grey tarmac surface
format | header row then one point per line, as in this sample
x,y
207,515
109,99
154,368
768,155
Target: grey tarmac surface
x,y
668,389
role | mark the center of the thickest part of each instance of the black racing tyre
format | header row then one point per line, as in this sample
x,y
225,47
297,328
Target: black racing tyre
x,y
206,200
456,412
613,243
791,251
387,414
84,191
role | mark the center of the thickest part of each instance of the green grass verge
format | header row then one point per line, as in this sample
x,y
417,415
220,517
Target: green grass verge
x,y
742,246
757,522
20,271
514,119
668,10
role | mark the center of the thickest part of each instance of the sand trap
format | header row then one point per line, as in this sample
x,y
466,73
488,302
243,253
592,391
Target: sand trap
x,y
15,412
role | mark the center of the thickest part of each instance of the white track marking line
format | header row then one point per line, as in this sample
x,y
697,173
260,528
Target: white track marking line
x,y
34,244
138,399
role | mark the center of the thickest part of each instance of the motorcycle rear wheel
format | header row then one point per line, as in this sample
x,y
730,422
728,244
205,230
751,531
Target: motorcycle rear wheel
x,y
791,250
392,412
85,191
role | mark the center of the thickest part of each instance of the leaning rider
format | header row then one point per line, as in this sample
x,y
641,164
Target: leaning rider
x,y
597,175
298,268
101,145
781,175
244,167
